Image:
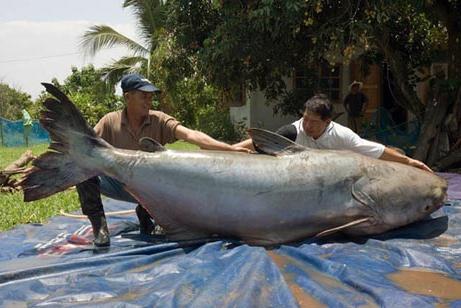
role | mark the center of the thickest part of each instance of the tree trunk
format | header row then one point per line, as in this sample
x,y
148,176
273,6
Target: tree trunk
x,y
453,128
448,161
436,113
406,95
15,167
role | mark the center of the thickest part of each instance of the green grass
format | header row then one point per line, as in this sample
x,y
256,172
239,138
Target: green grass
x,y
14,211
182,146
8,155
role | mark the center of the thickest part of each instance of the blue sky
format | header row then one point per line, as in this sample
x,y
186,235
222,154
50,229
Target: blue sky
x,y
40,39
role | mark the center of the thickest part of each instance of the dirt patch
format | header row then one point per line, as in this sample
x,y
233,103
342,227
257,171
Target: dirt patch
x,y
424,282
445,240
304,299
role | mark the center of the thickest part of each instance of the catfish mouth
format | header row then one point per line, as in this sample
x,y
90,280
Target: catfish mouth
x,y
440,196
440,201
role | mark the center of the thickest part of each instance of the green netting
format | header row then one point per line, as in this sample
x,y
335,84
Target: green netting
x,y
14,133
383,129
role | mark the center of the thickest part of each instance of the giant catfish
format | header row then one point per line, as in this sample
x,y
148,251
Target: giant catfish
x,y
289,195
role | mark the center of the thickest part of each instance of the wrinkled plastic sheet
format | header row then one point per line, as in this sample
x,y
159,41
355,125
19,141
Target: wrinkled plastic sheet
x,y
55,265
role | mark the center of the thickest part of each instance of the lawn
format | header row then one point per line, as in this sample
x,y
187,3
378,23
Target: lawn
x,y
14,211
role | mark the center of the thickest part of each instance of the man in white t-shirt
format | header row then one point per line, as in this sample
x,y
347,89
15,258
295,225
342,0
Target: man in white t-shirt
x,y
316,130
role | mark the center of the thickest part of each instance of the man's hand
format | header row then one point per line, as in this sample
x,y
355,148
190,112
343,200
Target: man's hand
x,y
418,164
241,149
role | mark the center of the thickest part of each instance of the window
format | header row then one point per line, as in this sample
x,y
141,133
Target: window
x,y
323,78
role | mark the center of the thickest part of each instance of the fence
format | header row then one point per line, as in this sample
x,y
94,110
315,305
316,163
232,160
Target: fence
x,y
384,130
12,133
381,128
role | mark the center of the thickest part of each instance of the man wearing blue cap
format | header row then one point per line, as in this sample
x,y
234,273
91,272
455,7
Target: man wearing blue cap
x,y
123,129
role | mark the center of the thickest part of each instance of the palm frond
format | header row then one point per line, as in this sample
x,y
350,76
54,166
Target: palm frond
x,y
101,36
151,17
113,72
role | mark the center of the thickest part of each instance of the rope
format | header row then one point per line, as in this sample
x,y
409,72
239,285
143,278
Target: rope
x,y
116,213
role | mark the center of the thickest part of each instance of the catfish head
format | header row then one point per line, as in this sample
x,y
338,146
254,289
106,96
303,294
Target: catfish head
x,y
397,195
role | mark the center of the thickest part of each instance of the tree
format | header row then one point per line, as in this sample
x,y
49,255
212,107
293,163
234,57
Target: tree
x,y
258,43
91,94
186,95
441,130
150,16
12,102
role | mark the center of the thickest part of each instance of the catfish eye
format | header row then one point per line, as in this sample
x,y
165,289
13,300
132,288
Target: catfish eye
x,y
427,208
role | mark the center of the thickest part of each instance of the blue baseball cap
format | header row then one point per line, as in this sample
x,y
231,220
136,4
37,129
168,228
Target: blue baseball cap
x,y
137,82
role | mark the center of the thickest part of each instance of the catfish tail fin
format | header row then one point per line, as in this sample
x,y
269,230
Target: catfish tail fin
x,y
66,163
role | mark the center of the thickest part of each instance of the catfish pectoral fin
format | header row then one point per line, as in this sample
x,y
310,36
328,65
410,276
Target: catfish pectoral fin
x,y
342,227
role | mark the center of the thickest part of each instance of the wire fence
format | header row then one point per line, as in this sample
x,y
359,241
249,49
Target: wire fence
x,y
14,133
383,129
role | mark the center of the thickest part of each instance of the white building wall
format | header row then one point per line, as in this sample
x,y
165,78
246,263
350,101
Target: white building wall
x,y
257,113
262,114
240,114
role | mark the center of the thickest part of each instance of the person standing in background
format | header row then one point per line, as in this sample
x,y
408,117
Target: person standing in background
x,y
355,103
27,125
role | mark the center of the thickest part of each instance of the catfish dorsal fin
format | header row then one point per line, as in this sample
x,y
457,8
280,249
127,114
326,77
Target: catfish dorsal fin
x,y
147,144
272,143
342,227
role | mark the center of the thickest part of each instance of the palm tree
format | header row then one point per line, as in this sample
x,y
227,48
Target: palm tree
x,y
150,21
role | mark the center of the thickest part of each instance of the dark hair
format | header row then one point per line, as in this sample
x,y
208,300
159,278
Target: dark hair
x,y
321,105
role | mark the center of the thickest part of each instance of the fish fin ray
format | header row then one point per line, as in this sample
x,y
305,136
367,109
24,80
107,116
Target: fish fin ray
x,y
173,229
57,169
362,189
273,144
61,113
147,144
362,197
343,227
58,175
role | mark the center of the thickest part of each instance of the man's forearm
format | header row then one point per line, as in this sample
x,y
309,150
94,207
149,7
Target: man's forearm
x,y
208,143
392,155
204,141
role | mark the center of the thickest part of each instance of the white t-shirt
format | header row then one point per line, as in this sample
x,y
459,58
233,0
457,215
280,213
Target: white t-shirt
x,y
338,137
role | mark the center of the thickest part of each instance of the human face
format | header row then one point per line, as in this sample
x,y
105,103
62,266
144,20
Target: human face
x,y
355,88
139,102
313,124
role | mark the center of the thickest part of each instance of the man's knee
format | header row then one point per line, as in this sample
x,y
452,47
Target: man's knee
x,y
90,197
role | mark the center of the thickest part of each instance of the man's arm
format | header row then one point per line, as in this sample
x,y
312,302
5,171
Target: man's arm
x,y
392,155
204,141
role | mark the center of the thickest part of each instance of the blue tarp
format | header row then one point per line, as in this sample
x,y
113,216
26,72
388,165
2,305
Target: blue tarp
x,y
55,265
